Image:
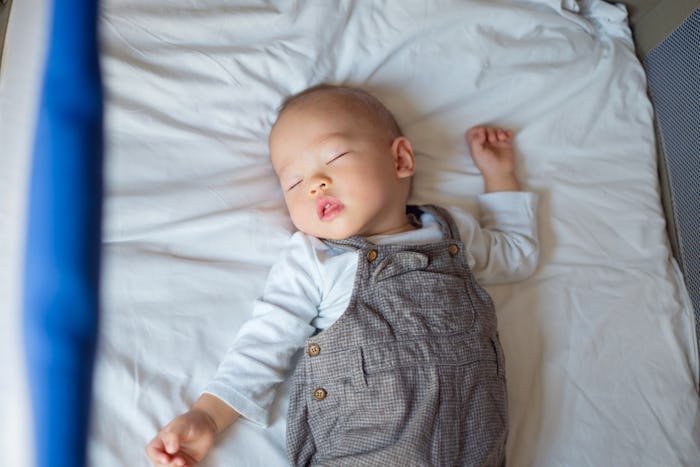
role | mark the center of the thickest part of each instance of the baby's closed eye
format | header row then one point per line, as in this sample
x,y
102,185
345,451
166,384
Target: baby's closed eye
x,y
293,184
336,157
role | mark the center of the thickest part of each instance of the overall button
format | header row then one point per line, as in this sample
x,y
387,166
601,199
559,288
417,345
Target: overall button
x,y
372,255
453,249
320,394
313,350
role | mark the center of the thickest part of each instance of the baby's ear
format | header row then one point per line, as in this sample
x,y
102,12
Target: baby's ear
x,y
404,161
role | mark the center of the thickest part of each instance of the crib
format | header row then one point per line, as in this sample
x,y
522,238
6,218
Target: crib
x,y
601,343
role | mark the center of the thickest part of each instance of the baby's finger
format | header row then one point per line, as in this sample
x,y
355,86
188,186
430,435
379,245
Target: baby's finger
x,y
155,452
171,441
178,461
491,133
501,134
475,134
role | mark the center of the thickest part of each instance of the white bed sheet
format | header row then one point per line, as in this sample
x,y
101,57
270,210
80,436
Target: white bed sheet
x,y
601,356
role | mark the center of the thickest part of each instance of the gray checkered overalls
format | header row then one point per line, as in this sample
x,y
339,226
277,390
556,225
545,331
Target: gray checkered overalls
x,y
412,373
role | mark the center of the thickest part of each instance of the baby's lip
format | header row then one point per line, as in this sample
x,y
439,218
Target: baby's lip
x,y
328,207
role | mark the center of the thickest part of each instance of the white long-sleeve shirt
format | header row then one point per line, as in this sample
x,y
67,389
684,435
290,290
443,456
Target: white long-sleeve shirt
x,y
310,287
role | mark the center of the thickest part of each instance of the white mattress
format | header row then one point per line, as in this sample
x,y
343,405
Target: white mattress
x,y
20,70
599,343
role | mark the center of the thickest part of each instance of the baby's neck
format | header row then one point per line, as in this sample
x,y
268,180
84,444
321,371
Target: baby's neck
x,y
409,224
403,228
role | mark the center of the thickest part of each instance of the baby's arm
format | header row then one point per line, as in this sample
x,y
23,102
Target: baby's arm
x,y
503,246
188,438
247,377
492,152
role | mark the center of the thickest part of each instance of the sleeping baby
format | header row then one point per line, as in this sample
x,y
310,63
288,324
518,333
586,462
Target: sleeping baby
x,y
401,362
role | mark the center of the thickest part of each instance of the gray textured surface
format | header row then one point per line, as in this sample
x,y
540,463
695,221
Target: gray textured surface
x,y
673,71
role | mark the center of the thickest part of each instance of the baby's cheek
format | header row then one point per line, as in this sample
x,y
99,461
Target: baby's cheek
x,y
302,220
297,219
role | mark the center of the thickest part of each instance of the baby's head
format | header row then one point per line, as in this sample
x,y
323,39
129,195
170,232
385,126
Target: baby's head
x,y
343,163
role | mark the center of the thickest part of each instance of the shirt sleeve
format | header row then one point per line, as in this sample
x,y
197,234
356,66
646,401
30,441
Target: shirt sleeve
x,y
503,246
263,350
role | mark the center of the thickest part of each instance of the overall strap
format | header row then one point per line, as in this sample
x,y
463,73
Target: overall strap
x,y
450,231
352,243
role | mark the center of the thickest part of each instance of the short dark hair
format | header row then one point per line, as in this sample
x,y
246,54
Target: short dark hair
x,y
371,103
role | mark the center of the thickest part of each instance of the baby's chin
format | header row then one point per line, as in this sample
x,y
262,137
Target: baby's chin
x,y
332,232
328,235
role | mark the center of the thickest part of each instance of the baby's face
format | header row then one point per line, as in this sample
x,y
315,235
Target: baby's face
x,y
342,174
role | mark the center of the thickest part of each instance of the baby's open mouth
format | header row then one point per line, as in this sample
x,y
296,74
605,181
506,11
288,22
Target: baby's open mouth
x,y
328,207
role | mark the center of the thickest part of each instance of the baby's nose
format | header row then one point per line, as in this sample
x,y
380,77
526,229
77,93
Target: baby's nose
x,y
318,186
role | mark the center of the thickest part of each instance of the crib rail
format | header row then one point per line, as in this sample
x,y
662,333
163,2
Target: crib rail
x,y
5,6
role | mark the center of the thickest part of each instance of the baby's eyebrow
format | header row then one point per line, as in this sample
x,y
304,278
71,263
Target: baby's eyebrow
x,y
332,139
279,171
283,176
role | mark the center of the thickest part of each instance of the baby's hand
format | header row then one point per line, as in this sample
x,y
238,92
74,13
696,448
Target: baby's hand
x,y
492,152
184,441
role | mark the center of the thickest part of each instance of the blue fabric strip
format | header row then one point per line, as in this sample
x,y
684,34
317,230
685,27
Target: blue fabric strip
x,y
61,281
